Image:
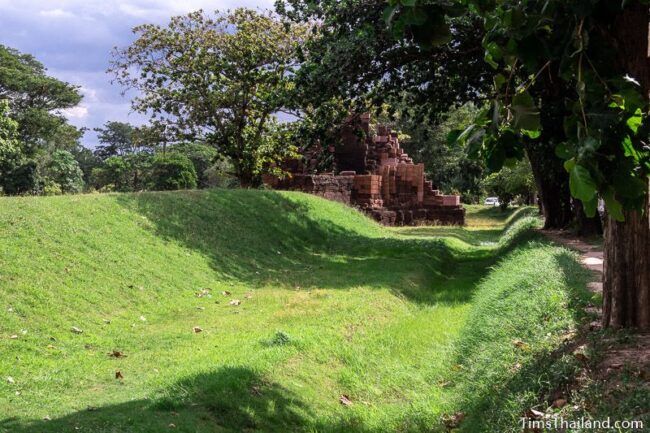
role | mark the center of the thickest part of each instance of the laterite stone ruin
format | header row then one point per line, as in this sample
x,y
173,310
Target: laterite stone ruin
x,y
374,174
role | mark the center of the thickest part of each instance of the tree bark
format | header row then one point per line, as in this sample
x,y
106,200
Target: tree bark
x,y
626,277
550,176
586,226
552,183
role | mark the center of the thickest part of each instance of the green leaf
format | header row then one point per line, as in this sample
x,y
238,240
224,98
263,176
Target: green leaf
x,y
452,137
465,134
562,151
614,207
496,158
590,207
531,134
581,183
526,114
635,121
499,81
569,164
389,13
628,148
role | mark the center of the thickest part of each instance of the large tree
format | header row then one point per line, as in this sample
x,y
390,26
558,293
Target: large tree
x,y
356,59
600,49
36,102
217,79
36,99
116,138
9,147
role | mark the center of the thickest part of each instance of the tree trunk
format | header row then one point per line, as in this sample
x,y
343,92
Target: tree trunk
x,y
626,277
586,226
552,183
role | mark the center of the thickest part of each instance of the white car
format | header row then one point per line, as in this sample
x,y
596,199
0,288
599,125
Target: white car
x,y
492,201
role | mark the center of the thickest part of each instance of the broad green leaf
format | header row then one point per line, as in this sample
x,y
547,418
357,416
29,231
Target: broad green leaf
x,y
465,134
569,164
581,183
499,81
635,121
526,114
614,207
453,136
389,13
590,207
531,134
562,151
628,148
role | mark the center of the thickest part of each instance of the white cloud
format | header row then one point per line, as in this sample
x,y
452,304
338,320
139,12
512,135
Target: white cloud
x,y
79,112
56,13
74,38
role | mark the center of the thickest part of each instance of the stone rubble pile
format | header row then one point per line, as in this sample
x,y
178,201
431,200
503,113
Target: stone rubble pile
x,y
377,176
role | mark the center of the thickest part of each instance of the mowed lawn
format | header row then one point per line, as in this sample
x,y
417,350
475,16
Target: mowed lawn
x,y
312,318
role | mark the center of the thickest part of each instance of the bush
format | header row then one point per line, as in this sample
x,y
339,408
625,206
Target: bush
x,y
202,158
52,188
219,175
173,171
61,174
123,173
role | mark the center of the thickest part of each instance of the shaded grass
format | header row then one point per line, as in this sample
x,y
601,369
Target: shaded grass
x,y
378,315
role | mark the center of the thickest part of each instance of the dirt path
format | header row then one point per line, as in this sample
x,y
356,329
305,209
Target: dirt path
x,y
633,352
591,255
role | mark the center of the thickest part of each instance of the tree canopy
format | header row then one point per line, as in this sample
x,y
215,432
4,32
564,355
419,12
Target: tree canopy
x,y
217,79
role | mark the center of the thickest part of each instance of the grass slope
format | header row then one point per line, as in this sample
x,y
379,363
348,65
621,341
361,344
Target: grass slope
x,y
402,321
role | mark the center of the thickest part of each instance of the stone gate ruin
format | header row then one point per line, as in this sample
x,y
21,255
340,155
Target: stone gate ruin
x,y
374,174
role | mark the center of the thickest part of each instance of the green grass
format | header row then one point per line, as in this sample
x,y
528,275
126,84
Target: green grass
x,y
409,323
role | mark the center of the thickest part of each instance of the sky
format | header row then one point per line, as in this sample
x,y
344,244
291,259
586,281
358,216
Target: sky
x,y
74,39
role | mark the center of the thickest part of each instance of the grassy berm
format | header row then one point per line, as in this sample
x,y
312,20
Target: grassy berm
x,y
259,311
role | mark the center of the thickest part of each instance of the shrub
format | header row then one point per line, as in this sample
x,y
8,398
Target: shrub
x,y
61,174
123,173
173,171
202,158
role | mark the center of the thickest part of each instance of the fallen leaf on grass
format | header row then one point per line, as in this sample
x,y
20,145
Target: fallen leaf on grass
x,y
142,318
559,403
345,400
581,353
196,329
520,344
118,375
116,354
10,380
76,330
234,302
453,421
534,414
172,425
226,293
47,418
203,293
13,337
248,296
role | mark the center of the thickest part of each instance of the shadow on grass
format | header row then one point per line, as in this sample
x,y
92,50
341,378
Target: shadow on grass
x,y
264,237
232,399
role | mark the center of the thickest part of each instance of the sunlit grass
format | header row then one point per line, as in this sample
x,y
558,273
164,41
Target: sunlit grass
x,y
379,315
